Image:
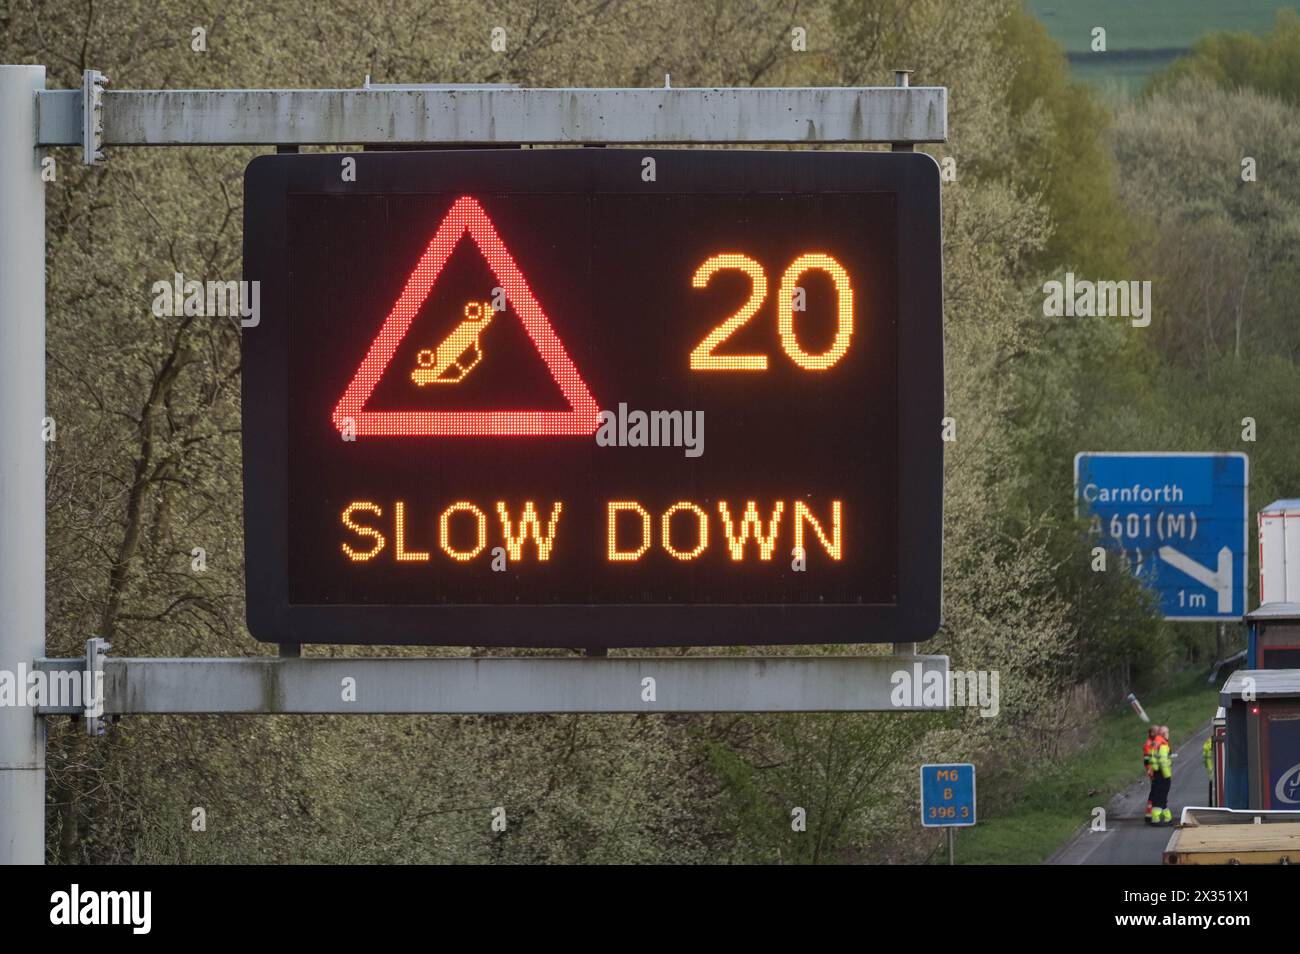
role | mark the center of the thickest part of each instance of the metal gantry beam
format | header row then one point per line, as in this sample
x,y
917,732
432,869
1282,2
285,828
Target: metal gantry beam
x,y
810,115
505,685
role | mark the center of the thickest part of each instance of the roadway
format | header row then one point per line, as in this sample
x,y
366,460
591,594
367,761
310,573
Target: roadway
x,y
1128,839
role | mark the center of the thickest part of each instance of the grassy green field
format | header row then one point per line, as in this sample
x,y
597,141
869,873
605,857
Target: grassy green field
x,y
1056,803
1142,38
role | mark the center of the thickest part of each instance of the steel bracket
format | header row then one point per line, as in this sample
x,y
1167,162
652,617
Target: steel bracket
x,y
93,685
92,116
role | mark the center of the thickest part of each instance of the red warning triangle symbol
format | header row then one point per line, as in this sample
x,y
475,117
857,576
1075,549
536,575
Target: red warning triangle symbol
x,y
466,215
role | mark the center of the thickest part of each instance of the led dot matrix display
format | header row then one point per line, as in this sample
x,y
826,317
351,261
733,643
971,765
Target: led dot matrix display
x,y
525,398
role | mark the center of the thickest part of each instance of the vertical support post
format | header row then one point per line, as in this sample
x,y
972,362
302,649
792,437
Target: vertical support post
x,y
22,460
901,79
952,843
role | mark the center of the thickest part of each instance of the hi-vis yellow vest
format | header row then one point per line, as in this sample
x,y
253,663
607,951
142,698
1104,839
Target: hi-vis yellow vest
x,y
1160,757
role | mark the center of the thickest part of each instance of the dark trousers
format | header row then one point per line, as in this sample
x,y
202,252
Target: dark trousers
x,y
1160,791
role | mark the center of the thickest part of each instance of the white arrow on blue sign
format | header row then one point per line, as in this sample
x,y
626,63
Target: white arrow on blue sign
x,y
1181,519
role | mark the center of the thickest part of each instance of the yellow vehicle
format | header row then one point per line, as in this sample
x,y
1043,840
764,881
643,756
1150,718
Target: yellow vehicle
x,y
451,360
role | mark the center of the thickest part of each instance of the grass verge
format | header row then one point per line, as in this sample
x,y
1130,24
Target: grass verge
x,y
1052,806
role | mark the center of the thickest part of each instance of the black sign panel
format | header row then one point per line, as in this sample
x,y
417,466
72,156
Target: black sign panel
x,y
596,397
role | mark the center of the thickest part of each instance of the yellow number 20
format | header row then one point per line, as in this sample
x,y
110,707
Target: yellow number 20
x,y
703,357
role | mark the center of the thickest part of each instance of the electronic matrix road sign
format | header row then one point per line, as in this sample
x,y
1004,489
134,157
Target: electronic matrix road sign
x,y
544,397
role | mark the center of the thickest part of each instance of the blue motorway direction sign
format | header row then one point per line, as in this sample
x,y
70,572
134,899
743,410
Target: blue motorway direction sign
x,y
948,795
1180,519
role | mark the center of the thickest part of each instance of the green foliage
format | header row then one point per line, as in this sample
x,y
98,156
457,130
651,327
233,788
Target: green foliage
x,y
1268,64
1224,250
1062,152
837,774
1225,270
